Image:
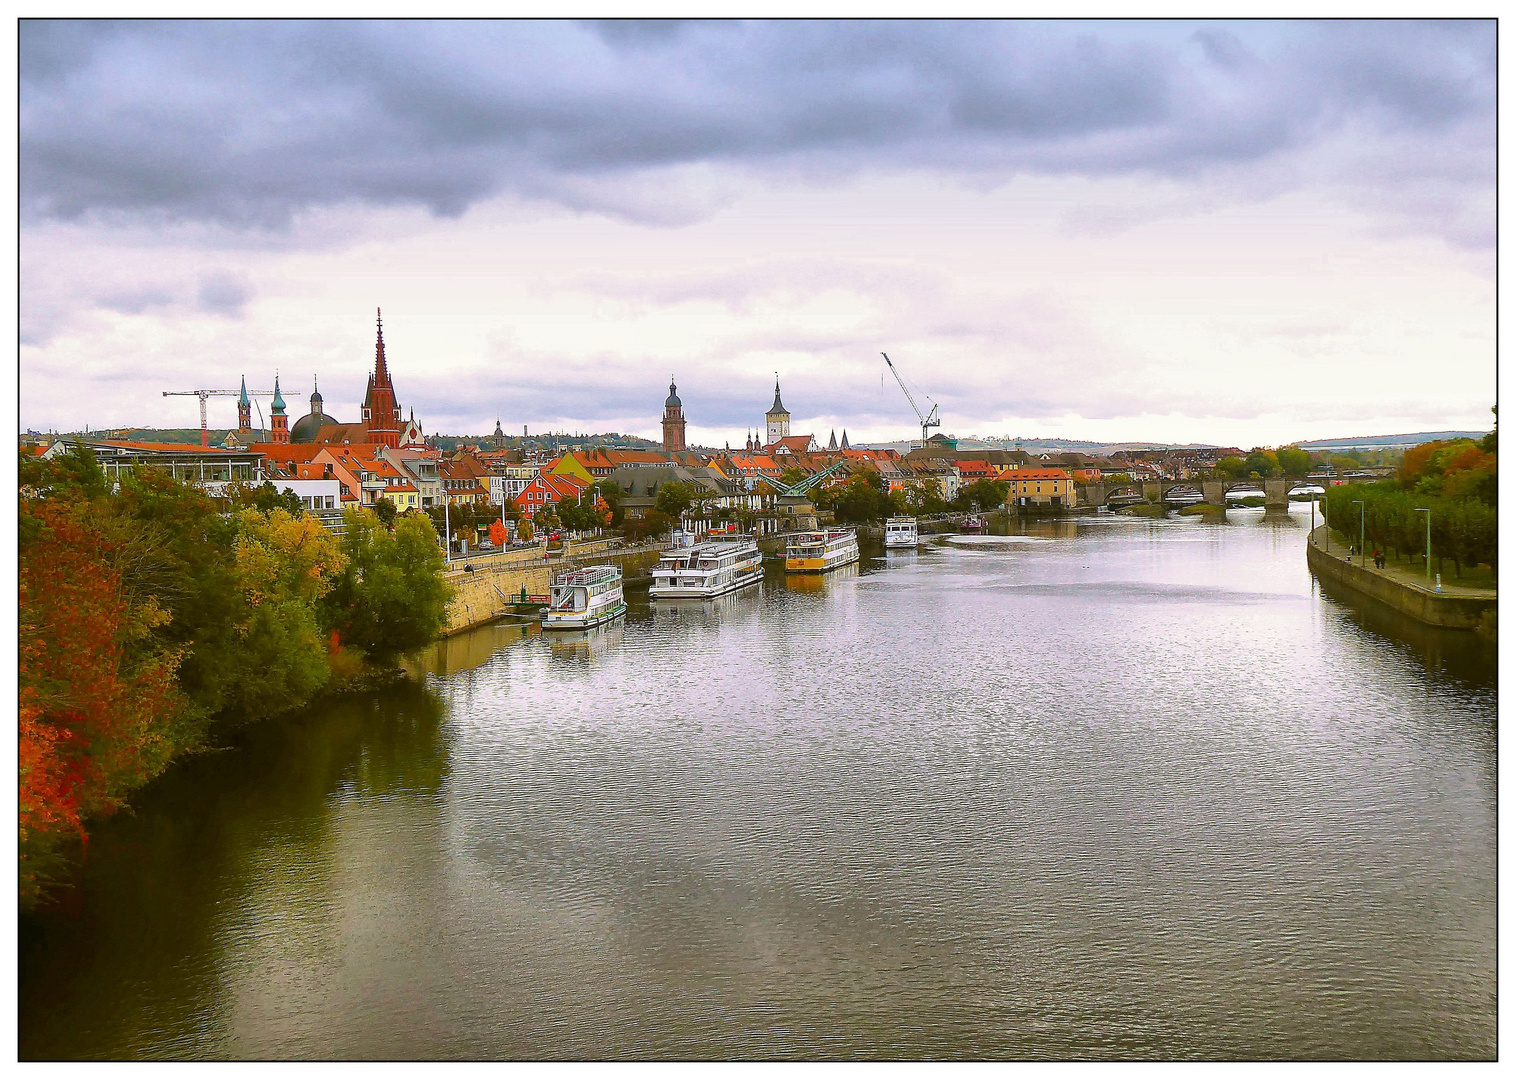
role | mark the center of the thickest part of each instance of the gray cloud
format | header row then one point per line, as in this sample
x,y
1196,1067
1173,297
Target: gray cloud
x,y
223,293
248,124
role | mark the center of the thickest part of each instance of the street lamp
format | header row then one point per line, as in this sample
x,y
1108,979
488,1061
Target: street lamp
x,y
1427,511
1359,504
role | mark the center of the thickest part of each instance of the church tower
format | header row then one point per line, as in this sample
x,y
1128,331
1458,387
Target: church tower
x,y
381,413
278,423
778,419
673,420
244,411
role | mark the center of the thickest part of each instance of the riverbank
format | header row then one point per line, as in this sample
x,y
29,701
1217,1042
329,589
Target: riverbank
x,y
488,588
1456,607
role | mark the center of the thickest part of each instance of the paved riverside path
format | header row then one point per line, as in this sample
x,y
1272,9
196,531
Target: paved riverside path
x,y
1401,574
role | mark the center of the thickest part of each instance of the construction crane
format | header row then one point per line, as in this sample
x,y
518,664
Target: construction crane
x,y
930,420
205,436
810,481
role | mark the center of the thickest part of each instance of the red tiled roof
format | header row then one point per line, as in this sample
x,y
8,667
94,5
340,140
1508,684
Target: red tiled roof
x,y
1038,474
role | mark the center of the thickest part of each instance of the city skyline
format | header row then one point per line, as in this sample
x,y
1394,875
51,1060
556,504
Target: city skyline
x,y
1231,233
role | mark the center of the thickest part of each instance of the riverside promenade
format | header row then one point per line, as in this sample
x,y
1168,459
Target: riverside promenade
x,y
1456,606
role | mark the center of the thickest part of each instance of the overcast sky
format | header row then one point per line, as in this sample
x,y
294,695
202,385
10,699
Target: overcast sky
x,y
1217,232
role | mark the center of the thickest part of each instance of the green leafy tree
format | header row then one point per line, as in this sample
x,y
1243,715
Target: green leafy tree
x,y
985,494
285,565
265,497
391,596
1294,461
385,510
674,498
924,497
653,523
1230,467
1261,463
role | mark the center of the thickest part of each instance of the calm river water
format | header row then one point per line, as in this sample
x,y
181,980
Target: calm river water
x,y
1110,788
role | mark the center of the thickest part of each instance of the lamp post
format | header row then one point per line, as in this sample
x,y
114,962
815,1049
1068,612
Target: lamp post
x,y
1427,511
1359,504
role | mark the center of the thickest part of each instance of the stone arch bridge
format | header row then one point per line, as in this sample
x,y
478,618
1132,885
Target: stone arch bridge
x,y
1276,493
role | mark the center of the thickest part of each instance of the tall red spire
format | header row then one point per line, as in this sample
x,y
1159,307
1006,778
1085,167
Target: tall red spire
x,y
381,412
381,371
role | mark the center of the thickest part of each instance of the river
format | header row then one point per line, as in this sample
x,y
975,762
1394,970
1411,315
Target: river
x,y
1102,788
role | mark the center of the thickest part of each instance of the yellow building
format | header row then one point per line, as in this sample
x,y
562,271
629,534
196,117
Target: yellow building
x,y
1038,487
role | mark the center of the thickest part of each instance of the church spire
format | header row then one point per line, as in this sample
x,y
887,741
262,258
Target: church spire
x,y
381,370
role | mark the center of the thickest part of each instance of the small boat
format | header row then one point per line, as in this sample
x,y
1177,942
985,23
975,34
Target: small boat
x,y
711,568
818,552
973,523
900,532
580,599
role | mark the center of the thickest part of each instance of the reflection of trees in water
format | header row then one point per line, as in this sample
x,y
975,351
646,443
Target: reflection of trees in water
x,y
1458,654
104,969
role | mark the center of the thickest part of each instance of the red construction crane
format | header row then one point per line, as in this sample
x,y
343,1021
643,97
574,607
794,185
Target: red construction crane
x,y
205,437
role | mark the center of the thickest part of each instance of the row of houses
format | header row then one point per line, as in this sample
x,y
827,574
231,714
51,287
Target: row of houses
x,y
327,478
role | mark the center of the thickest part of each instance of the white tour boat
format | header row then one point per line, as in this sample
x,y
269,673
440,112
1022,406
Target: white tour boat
x,y
818,552
583,598
709,569
900,532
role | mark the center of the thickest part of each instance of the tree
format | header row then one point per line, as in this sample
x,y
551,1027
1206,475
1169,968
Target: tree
x,y
924,497
861,499
265,497
99,712
984,494
497,533
390,596
674,498
285,565
1294,461
1230,467
792,476
654,523
385,510
1261,464
611,495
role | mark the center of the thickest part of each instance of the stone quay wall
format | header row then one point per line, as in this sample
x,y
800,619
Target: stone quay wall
x,y
1459,609
493,587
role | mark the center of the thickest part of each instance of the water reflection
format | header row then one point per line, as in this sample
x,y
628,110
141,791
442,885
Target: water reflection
x,y
1139,790
221,859
713,612
581,645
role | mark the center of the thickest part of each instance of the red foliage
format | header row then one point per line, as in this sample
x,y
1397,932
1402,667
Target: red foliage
x,y
497,534
91,716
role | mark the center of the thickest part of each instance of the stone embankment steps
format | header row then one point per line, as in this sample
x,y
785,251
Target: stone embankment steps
x,y
1456,607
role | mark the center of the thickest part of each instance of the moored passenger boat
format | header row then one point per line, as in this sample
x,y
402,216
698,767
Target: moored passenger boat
x,y
973,523
709,569
580,599
818,552
900,532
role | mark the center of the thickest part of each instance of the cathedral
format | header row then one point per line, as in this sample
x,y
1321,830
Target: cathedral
x,y
381,422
